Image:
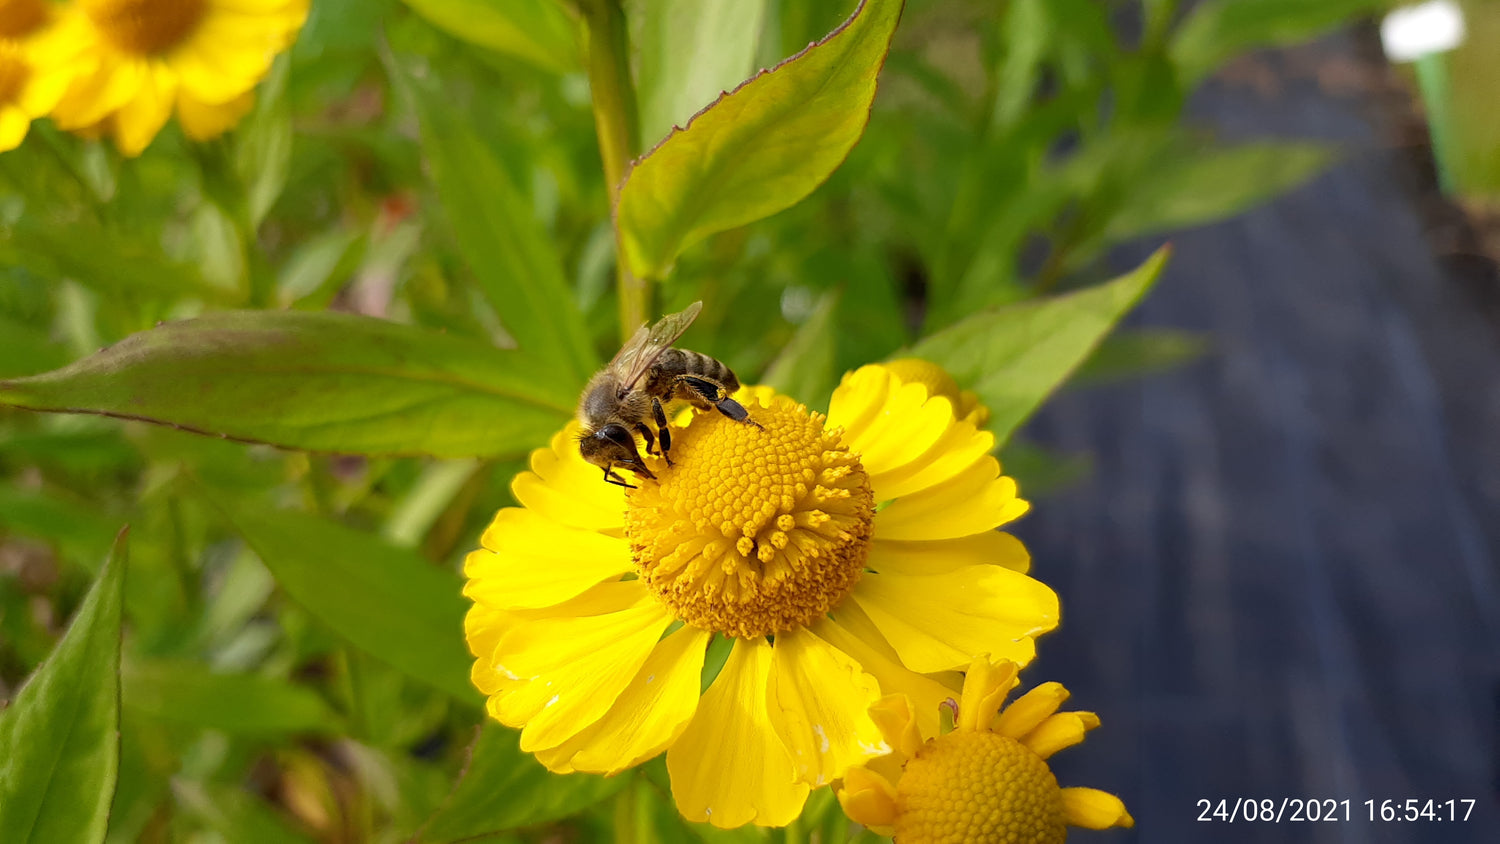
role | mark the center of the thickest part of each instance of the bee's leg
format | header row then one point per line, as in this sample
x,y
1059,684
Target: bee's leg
x,y
661,428
611,478
715,394
650,437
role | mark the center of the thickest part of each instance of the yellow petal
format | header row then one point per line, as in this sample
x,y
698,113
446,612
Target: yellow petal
x,y
566,488
14,124
648,716
985,688
1059,732
959,447
869,799
574,668
855,635
729,768
483,627
893,715
213,72
819,702
138,121
1030,709
942,621
531,561
1091,808
976,500
99,92
202,120
991,547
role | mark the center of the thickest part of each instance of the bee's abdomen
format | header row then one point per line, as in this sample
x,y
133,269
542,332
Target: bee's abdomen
x,y
675,362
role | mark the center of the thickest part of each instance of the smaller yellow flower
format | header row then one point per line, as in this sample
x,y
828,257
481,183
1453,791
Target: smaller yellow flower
x,y
28,89
988,779
135,62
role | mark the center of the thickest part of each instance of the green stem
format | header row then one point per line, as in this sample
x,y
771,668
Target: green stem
x,y
607,51
1434,83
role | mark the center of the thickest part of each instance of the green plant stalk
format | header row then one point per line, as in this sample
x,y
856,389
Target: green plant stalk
x,y
607,51
1436,86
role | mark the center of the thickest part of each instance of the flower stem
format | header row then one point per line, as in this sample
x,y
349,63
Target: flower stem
x,y
607,49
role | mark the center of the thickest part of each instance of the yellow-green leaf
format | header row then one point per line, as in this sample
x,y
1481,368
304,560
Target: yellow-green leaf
x,y
60,738
536,31
758,149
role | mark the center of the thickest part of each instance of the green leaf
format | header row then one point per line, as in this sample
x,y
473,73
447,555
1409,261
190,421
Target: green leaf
x,y
1128,354
114,264
27,349
60,739
234,814
804,368
504,788
691,51
189,693
1015,357
538,32
385,600
1201,187
1219,29
318,381
264,145
759,149
514,260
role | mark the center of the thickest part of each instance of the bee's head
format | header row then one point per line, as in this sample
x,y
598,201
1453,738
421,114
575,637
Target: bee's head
x,y
613,445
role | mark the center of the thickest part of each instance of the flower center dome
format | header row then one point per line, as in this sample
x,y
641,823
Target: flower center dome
x,y
21,17
973,785
145,27
753,531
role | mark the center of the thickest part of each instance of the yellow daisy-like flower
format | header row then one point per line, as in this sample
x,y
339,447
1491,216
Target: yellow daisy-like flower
x,y
988,779
136,61
840,558
28,89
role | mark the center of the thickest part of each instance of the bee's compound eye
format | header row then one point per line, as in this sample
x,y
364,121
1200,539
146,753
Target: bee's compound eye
x,y
618,435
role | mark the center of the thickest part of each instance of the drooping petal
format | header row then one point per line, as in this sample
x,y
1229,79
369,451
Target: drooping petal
x,y
483,627
566,488
14,124
1060,732
991,547
1030,709
976,500
855,635
575,667
938,622
1091,808
869,799
819,703
729,768
647,717
138,121
204,120
531,561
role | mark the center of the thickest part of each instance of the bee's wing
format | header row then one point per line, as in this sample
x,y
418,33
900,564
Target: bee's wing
x,y
635,359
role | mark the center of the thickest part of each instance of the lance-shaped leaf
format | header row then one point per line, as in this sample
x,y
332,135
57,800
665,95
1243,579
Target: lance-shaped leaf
x,y
504,788
759,149
536,31
385,600
316,381
60,739
1015,357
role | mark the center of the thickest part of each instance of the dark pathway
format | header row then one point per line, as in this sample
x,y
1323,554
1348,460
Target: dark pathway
x,y
1283,577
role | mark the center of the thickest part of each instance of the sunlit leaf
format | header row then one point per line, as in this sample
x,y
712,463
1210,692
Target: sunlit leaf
x,y
504,788
511,255
318,381
1218,29
1203,187
758,149
59,739
385,600
189,693
1015,357
539,32
692,51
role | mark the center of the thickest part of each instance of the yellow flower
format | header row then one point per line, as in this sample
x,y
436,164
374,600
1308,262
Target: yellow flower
x,y
135,61
836,560
28,89
939,383
988,779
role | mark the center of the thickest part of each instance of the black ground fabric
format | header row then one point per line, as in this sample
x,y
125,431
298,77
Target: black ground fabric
x,y
1282,578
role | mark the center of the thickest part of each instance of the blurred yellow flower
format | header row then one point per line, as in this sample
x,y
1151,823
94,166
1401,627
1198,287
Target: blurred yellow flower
x,y
135,61
988,779
836,560
28,89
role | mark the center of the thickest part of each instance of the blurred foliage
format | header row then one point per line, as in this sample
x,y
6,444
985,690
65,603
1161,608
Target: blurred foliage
x,y
293,667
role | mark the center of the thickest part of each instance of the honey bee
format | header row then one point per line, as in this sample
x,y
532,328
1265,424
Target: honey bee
x,y
624,397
